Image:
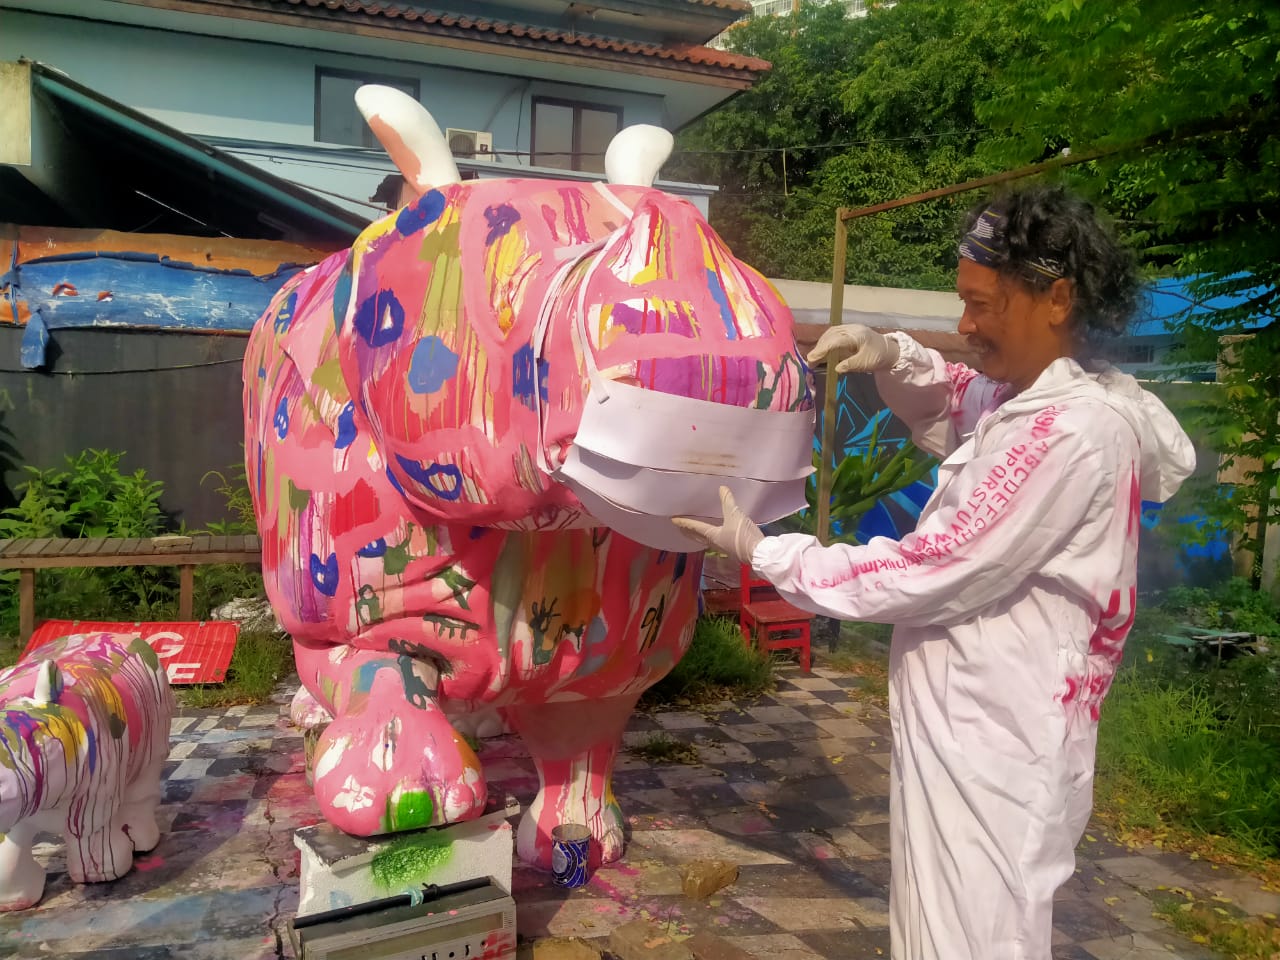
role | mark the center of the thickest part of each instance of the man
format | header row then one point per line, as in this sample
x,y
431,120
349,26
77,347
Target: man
x,y
1013,597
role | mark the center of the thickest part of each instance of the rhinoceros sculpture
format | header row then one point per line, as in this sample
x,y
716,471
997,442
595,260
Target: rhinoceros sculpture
x,y
465,439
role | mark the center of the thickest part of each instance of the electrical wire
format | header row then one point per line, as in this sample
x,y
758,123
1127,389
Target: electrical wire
x,y
105,373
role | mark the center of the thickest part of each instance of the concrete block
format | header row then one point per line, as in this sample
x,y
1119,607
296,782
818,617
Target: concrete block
x,y
642,940
338,870
701,878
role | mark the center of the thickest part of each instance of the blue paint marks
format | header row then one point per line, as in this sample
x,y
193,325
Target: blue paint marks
x,y
284,316
346,427
342,294
442,479
324,574
722,301
421,213
682,561
431,365
281,419
501,219
522,376
380,319
528,374
375,549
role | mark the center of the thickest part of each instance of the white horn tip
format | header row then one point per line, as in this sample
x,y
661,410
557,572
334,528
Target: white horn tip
x,y
415,143
636,155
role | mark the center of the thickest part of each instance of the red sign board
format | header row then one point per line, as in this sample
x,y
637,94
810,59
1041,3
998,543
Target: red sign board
x,y
190,652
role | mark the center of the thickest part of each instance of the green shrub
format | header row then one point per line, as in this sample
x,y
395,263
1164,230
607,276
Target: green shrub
x,y
89,497
717,665
1178,756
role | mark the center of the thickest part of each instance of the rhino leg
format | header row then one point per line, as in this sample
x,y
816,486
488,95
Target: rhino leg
x,y
390,760
574,746
138,809
21,875
101,853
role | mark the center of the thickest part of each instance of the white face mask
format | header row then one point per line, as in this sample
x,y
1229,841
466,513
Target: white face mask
x,y
641,457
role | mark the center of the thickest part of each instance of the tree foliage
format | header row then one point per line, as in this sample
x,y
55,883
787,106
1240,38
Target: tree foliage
x,y
1197,86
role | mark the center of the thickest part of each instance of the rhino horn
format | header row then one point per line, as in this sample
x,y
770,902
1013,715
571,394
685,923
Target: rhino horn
x,y
410,135
636,155
48,684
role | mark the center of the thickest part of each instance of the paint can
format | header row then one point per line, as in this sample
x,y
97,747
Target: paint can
x,y
570,849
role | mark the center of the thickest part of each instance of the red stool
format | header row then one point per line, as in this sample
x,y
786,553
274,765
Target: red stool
x,y
773,623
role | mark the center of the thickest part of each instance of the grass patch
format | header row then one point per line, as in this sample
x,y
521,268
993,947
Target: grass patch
x,y
661,748
717,666
1211,924
259,661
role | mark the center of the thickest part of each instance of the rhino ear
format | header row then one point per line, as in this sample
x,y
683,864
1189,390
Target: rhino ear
x,y
410,135
48,683
636,155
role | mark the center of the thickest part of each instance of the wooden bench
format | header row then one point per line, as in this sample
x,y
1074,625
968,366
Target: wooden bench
x,y
185,553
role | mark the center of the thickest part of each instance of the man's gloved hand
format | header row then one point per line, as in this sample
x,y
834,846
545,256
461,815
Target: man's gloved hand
x,y
737,535
869,350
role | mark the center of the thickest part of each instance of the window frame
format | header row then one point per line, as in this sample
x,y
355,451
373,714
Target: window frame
x,y
577,106
339,73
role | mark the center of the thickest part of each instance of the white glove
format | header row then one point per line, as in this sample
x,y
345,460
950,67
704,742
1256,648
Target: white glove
x,y
737,535
869,351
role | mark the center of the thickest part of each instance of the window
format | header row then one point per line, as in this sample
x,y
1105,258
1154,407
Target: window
x,y
337,119
1136,353
572,136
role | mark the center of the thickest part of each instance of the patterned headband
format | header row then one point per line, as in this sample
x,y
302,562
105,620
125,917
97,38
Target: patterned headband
x,y
987,245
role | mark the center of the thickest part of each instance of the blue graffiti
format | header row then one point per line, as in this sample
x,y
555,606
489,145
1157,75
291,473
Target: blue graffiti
x,y
501,219
324,574
421,213
375,549
346,427
527,375
431,365
442,479
281,419
722,301
380,319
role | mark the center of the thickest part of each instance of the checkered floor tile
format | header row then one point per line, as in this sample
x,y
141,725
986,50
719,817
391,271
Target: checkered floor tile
x,y
792,787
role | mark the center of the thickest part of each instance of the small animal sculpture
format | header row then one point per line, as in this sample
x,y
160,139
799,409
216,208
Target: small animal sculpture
x,y
84,731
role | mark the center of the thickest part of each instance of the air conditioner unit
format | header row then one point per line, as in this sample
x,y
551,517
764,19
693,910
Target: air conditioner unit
x,y
470,144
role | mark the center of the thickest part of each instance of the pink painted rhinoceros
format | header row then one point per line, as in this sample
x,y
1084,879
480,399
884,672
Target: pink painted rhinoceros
x,y
450,428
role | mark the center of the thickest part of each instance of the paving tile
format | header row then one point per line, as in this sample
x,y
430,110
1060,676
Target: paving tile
x,y
1140,946
751,732
813,683
794,914
849,945
1081,920
847,728
681,721
1142,872
776,946
776,714
681,846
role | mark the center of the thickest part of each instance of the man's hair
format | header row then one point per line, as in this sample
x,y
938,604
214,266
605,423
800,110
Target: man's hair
x,y
1049,225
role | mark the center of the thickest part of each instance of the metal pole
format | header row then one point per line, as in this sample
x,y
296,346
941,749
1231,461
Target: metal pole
x,y
826,452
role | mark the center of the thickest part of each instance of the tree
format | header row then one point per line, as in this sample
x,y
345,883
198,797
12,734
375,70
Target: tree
x,y
855,111
1197,85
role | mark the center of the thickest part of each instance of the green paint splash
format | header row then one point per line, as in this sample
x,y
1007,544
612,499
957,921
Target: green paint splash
x,y
411,860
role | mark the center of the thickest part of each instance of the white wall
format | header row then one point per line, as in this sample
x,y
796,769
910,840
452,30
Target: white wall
x,y
259,91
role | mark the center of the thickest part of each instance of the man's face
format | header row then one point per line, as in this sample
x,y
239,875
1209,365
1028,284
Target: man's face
x,y
1016,332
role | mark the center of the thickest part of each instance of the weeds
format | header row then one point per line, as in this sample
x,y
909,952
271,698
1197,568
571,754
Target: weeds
x,y
259,661
661,748
717,666
1211,924
861,650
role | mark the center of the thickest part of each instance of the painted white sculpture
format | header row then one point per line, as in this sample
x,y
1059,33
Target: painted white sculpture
x,y
84,732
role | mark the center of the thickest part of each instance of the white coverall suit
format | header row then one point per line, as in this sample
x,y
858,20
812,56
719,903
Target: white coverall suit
x,y
1012,600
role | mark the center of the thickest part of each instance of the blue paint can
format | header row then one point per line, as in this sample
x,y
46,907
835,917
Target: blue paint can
x,y
570,849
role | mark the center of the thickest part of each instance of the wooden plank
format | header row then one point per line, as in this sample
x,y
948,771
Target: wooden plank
x,y
87,546
110,547
7,545
129,547
186,592
217,544
26,605
33,548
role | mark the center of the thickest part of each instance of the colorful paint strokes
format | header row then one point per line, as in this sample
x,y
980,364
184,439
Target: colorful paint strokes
x,y
407,405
